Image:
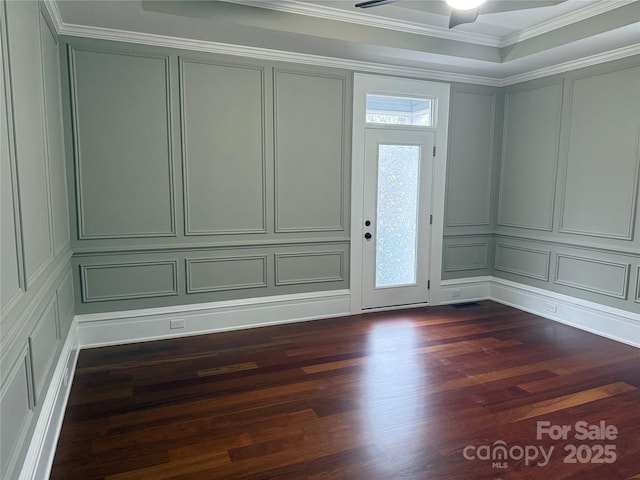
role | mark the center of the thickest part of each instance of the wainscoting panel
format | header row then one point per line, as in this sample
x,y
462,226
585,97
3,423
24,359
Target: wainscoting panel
x,y
637,296
530,157
65,299
142,280
43,345
600,196
120,281
309,267
226,273
15,413
223,131
597,276
466,256
122,130
310,151
523,261
470,159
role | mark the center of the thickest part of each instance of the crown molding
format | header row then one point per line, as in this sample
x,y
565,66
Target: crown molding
x,y
333,62
267,54
563,21
54,13
589,61
370,20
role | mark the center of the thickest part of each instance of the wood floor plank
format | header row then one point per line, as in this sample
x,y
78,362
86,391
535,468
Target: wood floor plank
x,y
237,367
184,465
381,396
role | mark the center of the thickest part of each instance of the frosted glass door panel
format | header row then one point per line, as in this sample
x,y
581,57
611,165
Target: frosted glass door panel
x,y
397,215
396,230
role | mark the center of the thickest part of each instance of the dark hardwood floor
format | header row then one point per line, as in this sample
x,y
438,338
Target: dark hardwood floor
x,y
430,393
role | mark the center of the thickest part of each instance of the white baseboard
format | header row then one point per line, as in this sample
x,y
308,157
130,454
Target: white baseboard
x,y
613,323
153,324
39,458
465,290
620,325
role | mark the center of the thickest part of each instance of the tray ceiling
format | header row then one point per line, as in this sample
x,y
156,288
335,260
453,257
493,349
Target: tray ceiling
x,y
407,37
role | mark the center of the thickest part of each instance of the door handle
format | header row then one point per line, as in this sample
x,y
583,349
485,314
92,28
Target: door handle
x,y
367,236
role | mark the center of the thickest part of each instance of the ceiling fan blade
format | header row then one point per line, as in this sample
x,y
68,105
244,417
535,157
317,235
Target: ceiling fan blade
x,y
436,7
459,17
497,6
373,3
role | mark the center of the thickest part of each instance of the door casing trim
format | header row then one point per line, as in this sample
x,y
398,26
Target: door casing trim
x,y
363,84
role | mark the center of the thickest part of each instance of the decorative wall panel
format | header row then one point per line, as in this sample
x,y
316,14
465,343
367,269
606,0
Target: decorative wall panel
x,y
523,261
310,152
55,136
30,136
601,183
122,132
43,344
119,281
311,267
597,276
466,256
223,115
15,413
470,159
65,298
226,273
10,240
530,157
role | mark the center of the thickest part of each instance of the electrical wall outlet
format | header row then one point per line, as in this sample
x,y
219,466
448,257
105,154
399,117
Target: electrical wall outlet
x,y
456,294
551,308
176,323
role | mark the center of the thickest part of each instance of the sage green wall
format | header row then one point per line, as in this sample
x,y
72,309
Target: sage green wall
x,y
197,175
36,289
567,219
475,132
204,177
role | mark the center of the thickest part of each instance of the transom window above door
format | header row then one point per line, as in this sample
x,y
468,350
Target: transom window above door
x,y
391,110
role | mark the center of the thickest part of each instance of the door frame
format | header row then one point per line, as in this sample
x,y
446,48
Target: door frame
x,y
364,84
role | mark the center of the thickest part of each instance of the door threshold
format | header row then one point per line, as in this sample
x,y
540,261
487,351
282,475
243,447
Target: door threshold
x,y
405,306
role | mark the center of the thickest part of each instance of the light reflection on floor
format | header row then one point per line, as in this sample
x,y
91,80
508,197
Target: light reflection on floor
x,y
393,380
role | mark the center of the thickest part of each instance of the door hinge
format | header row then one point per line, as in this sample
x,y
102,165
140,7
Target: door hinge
x,y
431,219
434,150
428,284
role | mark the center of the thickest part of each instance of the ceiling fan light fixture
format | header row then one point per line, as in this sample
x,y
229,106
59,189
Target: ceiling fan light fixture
x,y
465,4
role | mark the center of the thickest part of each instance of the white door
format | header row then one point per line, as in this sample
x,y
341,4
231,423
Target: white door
x,y
396,216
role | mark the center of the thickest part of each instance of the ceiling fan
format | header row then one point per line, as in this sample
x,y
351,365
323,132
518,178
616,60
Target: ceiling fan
x,y
467,11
